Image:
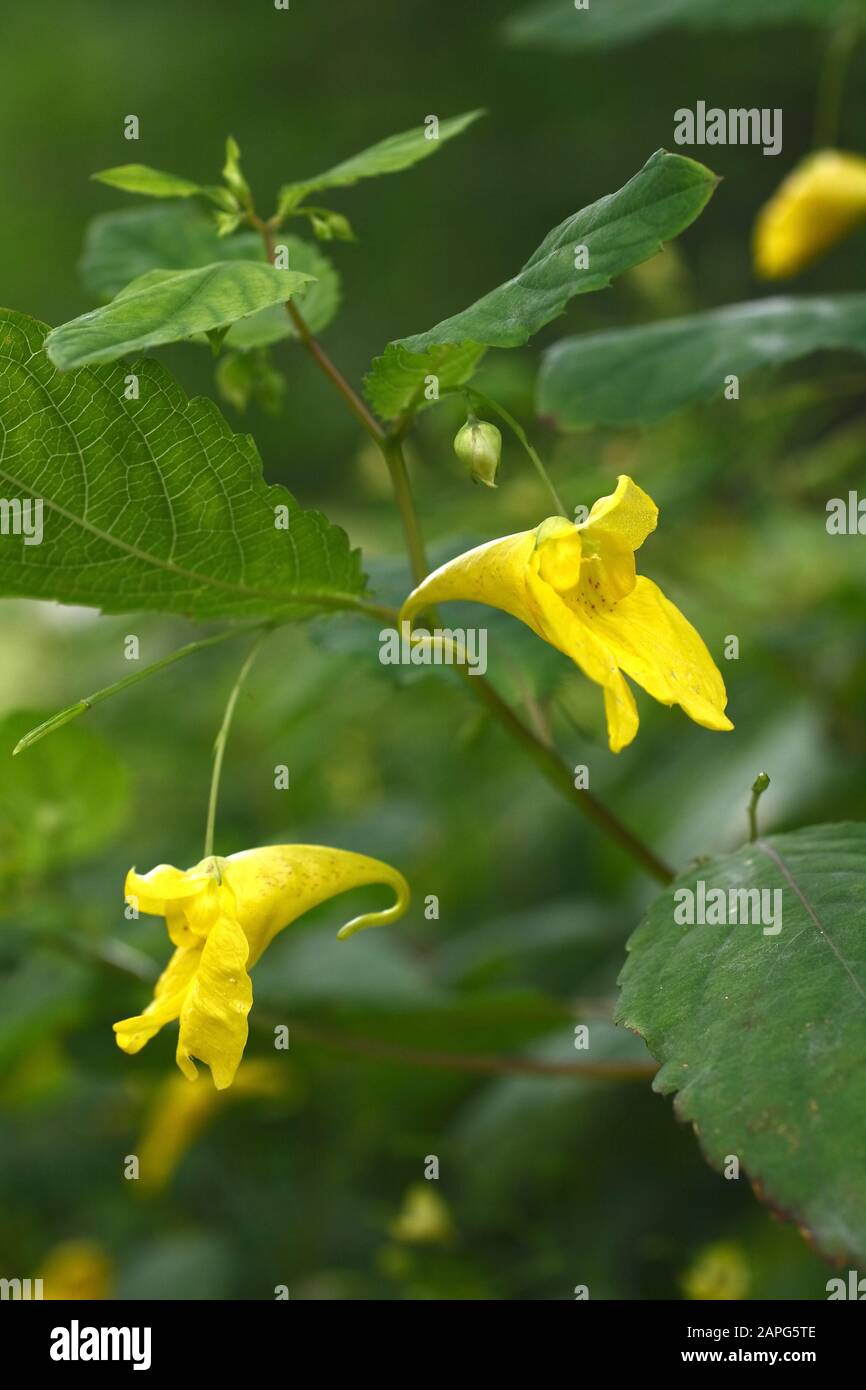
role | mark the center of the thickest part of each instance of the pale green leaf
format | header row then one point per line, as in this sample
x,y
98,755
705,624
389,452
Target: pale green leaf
x,y
605,23
637,375
121,246
150,503
153,183
165,306
612,235
389,156
762,1035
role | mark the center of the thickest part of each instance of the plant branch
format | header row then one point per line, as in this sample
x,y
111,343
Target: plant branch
x,y
396,461
482,1063
65,716
318,353
560,776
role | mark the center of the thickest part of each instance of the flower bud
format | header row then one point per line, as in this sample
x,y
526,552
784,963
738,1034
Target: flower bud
x,y
478,445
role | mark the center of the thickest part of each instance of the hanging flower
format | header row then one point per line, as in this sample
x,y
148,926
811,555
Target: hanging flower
x,y
221,915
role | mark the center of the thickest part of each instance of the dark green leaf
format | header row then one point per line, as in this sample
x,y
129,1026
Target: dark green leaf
x,y
606,23
150,503
164,306
763,1035
636,375
618,232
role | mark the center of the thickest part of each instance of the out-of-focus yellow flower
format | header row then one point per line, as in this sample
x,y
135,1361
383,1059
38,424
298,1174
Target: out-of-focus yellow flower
x,y
424,1218
818,204
576,586
720,1271
221,915
180,1112
77,1269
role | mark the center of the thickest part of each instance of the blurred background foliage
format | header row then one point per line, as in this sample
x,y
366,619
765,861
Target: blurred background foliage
x,y
309,1176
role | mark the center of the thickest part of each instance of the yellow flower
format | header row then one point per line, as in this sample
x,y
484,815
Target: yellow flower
x,y
576,586
180,1112
818,204
424,1218
221,915
720,1272
77,1269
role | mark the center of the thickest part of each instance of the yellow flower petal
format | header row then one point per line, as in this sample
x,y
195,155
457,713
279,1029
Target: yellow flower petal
x,y
817,205
278,883
76,1269
628,515
180,1112
213,1016
168,997
162,885
655,645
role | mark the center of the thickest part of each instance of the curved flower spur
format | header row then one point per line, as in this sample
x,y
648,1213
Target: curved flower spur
x,y
577,588
222,914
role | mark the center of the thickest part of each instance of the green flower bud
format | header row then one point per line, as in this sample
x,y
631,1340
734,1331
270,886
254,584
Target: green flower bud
x,y
478,445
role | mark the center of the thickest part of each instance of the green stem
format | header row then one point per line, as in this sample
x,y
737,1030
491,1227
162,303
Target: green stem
x,y
551,765
396,461
759,786
520,433
222,739
65,716
831,84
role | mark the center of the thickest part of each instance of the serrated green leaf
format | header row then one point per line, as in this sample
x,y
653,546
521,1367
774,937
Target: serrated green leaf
x,y
396,380
153,183
637,375
319,300
151,503
389,156
558,24
619,231
165,306
763,1035
121,246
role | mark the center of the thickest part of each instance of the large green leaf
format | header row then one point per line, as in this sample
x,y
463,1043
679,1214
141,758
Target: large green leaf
x,y
121,246
389,156
618,232
763,1035
635,375
165,306
150,503
606,23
